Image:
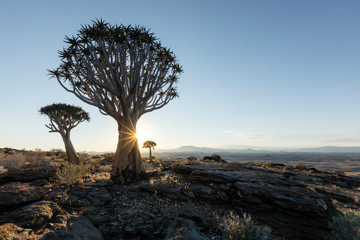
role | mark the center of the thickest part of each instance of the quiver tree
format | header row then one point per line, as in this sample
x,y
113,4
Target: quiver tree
x,y
125,72
63,118
150,145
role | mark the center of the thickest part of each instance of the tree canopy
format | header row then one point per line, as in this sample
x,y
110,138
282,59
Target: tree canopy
x,y
64,116
119,69
149,144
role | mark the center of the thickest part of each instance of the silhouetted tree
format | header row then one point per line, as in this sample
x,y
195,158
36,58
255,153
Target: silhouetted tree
x,y
63,118
125,72
150,145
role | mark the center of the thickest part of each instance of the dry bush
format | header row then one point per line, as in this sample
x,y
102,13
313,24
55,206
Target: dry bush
x,y
265,165
71,174
56,153
166,179
27,160
300,166
237,228
234,165
335,188
108,158
13,162
346,225
337,173
84,157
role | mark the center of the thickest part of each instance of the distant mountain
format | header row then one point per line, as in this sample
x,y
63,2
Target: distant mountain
x,y
208,151
190,150
329,149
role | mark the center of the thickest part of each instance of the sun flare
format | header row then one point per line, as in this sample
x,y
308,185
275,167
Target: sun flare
x,y
142,135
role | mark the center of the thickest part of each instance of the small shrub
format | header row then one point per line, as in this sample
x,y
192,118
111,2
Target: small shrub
x,y
108,158
265,165
170,179
337,173
56,152
300,166
84,157
345,225
234,165
165,179
71,174
237,228
14,162
335,188
28,160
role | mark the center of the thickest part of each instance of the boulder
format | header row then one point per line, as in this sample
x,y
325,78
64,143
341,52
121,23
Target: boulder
x,y
34,216
186,226
99,196
26,175
79,227
67,227
17,193
214,158
11,231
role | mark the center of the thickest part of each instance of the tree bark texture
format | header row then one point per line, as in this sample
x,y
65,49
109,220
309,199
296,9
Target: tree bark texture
x,y
127,165
70,150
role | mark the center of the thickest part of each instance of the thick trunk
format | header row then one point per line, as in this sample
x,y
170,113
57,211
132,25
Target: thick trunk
x,y
127,165
70,150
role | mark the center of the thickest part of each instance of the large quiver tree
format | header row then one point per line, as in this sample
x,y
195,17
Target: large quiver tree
x,y
63,118
125,72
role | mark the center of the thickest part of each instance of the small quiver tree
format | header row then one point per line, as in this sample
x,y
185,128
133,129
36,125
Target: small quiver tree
x,y
63,118
150,145
125,72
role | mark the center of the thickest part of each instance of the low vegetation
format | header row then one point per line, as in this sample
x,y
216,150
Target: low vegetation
x,y
346,225
71,174
19,161
245,227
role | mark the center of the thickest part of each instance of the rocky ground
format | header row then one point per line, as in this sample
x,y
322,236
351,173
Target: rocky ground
x,y
182,199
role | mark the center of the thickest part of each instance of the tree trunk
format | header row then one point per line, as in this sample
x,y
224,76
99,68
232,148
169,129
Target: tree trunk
x,y
150,155
70,150
127,165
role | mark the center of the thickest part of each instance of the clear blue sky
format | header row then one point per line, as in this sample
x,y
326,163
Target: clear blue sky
x,y
259,73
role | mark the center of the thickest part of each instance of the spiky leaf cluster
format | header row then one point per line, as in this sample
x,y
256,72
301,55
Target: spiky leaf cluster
x,y
123,70
64,117
149,144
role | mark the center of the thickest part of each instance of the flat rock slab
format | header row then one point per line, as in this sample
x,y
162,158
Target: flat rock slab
x,y
34,216
69,227
17,193
287,206
99,196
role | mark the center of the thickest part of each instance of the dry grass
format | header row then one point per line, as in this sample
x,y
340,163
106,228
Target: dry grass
x,y
71,174
27,160
245,227
346,225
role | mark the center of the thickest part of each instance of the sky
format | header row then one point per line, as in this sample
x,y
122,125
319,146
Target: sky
x,y
265,74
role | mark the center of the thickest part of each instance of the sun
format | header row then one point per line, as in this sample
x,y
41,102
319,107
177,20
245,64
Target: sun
x,y
142,135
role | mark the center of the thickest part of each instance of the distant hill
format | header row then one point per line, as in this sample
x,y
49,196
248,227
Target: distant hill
x,y
325,149
329,149
190,150
196,149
